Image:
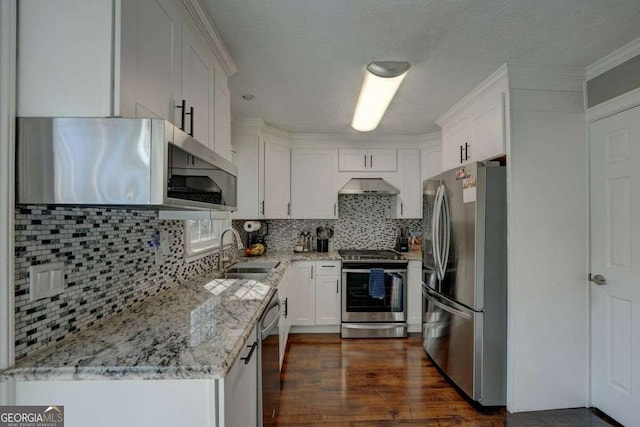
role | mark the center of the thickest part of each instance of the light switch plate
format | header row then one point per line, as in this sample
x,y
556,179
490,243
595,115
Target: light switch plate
x,y
46,280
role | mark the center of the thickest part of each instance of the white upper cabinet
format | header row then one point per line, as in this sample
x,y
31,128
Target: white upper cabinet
x,y
313,183
222,107
141,58
363,160
409,201
198,84
263,158
474,129
277,177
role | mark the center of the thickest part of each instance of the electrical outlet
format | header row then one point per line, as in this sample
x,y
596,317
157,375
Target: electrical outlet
x,y
46,280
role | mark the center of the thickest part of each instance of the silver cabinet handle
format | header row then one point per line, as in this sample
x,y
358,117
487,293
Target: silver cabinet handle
x,y
288,209
335,209
312,272
365,161
338,286
262,207
598,279
401,208
371,161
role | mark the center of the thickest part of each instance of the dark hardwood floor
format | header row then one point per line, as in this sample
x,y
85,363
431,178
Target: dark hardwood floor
x,y
384,382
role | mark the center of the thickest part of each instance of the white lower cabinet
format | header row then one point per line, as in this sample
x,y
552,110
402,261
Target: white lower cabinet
x,y
285,319
240,387
315,293
327,287
414,295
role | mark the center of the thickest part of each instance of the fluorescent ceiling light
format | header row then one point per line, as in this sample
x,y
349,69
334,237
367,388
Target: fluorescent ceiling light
x,y
381,82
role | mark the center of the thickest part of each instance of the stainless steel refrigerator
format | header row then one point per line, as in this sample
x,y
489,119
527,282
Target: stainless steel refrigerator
x,y
464,321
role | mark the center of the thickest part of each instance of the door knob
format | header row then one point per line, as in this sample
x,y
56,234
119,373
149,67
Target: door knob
x,y
598,279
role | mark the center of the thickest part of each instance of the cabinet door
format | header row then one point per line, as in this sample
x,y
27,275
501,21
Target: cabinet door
x,y
222,116
409,201
151,58
277,176
454,139
327,300
382,160
414,291
487,127
353,160
240,385
247,160
302,294
285,323
313,184
198,87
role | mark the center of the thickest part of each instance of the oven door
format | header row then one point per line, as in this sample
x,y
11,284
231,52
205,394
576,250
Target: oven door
x,y
359,306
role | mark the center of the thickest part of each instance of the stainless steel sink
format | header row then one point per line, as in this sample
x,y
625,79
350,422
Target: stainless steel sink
x,y
251,270
252,267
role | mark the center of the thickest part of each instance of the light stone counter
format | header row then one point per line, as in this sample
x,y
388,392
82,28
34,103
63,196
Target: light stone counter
x,y
192,331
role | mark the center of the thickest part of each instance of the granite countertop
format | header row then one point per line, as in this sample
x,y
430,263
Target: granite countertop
x,y
194,330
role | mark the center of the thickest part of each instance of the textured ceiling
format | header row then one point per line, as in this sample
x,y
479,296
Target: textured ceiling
x,y
304,59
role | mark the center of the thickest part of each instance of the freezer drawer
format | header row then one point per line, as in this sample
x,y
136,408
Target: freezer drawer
x,y
451,336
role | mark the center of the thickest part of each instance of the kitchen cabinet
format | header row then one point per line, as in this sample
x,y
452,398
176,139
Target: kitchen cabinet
x,y
241,385
314,192
70,66
367,160
285,320
431,162
315,293
302,294
328,282
198,85
414,296
263,159
474,129
276,202
408,204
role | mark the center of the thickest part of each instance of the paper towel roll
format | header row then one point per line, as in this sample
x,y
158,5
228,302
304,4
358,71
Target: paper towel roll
x,y
250,226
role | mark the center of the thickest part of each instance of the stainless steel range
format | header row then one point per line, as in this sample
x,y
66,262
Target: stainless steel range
x,y
366,316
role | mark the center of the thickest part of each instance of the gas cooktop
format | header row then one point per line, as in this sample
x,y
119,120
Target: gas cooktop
x,y
369,255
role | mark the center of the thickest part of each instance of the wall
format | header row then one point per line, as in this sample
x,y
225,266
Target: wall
x,y
364,223
547,240
109,266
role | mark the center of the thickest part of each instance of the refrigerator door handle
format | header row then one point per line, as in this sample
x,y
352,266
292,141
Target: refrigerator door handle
x,y
432,298
435,231
444,256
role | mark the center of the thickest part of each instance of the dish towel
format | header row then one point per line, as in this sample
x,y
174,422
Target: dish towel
x,y
376,283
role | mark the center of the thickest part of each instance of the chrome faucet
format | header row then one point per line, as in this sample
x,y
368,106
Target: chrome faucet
x,y
221,259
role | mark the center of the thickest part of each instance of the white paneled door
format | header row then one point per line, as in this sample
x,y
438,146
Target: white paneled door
x,y
615,266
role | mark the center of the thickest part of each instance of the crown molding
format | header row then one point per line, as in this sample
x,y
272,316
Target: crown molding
x,y
205,24
431,140
336,137
613,59
497,76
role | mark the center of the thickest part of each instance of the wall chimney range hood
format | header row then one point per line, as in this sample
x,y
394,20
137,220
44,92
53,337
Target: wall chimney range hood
x,y
369,186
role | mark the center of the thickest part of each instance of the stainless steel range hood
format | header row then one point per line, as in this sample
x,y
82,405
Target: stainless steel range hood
x,y
369,186
141,163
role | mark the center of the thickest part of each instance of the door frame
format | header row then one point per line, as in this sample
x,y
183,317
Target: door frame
x,y
606,109
8,34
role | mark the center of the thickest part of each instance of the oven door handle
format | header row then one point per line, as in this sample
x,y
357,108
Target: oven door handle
x,y
346,270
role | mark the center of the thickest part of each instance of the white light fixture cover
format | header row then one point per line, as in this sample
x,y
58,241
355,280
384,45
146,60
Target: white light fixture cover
x,y
381,82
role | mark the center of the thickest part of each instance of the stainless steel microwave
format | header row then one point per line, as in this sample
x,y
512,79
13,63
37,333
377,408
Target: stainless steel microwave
x,y
144,163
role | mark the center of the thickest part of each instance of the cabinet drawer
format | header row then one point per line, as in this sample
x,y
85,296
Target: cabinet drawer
x,y
328,268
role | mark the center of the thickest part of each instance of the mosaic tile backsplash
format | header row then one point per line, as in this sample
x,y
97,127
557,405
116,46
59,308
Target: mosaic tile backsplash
x,y
364,223
109,266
